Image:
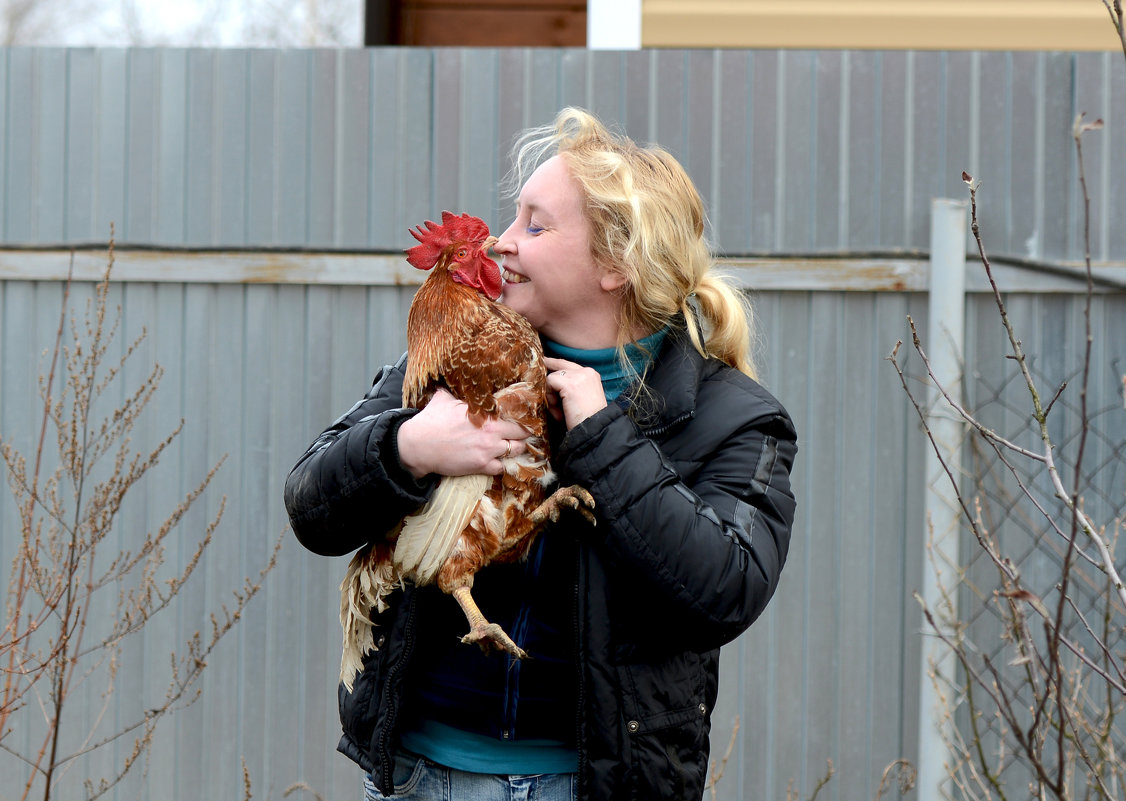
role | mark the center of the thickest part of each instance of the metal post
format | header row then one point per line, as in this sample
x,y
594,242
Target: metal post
x,y
944,347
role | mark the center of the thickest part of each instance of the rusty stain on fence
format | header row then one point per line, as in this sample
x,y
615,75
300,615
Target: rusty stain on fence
x,y
836,273
842,274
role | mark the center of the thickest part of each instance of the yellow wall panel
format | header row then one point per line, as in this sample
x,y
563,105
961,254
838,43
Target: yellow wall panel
x,y
880,24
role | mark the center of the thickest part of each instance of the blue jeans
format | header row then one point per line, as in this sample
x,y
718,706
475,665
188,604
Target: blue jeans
x,y
418,779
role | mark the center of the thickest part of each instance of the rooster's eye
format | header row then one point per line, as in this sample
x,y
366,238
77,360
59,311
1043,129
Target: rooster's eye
x,y
461,254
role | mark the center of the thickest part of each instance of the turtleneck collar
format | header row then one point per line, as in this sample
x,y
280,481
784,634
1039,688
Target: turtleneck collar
x,y
616,377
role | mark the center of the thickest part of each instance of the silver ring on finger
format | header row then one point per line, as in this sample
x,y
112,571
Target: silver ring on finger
x,y
507,449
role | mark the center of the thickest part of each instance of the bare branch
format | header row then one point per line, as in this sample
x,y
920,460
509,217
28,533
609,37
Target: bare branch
x,y
1081,521
1114,8
905,774
1053,706
57,636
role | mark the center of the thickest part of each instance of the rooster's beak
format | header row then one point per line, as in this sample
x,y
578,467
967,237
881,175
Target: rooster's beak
x,y
487,245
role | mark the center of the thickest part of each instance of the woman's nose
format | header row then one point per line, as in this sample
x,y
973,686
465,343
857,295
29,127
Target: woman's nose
x,y
506,243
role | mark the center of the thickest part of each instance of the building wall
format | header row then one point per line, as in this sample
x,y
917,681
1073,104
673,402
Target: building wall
x,y
1057,25
497,23
1067,25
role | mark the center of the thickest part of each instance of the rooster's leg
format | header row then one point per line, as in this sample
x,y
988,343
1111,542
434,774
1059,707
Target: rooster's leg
x,y
574,497
487,635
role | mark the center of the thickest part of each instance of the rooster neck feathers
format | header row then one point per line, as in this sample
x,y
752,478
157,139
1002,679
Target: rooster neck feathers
x,y
457,335
459,339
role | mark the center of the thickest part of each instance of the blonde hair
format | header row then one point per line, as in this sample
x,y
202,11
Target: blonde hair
x,y
647,223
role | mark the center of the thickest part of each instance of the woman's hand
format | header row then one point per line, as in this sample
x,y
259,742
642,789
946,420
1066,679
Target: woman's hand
x,y
442,439
574,392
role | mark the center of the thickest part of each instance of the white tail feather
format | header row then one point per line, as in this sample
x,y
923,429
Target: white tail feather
x,y
428,537
370,579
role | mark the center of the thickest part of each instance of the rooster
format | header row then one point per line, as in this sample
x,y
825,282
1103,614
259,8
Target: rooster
x,y
459,338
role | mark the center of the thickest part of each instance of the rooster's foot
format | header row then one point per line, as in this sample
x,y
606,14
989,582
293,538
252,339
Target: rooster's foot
x,y
491,637
573,497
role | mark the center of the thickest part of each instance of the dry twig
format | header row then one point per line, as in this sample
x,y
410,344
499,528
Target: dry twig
x,y
1053,701
717,771
58,634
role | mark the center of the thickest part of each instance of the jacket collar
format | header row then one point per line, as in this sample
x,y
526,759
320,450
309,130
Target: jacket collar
x,y
668,397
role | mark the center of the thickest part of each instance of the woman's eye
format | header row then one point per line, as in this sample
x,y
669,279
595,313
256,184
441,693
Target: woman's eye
x,y
534,229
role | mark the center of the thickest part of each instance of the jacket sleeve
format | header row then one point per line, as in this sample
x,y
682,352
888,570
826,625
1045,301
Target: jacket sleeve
x,y
707,550
349,488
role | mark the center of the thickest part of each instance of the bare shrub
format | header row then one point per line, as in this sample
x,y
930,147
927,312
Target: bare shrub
x,y
68,569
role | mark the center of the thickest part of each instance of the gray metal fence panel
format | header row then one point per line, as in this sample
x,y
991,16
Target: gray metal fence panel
x,y
794,151
257,370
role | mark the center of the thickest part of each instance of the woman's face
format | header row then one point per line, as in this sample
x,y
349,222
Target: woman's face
x,y
550,275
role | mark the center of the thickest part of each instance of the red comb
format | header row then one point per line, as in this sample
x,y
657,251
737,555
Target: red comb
x,y
433,238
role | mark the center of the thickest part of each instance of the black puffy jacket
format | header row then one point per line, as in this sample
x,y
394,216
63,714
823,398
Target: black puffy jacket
x,y
694,507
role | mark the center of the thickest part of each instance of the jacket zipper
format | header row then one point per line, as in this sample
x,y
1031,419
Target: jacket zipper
x,y
664,427
519,635
578,644
383,746
512,676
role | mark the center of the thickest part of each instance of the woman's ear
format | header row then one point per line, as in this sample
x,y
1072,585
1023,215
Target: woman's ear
x,y
611,281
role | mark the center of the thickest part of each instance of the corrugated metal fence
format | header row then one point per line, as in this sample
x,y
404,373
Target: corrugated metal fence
x,y
806,155
794,151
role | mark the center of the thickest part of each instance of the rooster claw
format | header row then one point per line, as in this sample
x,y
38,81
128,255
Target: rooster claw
x,y
491,637
573,497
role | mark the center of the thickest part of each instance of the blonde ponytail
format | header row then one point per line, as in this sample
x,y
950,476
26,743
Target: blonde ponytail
x,y
728,322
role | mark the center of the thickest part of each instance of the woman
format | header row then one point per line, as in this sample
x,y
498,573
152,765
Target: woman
x,y
687,457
